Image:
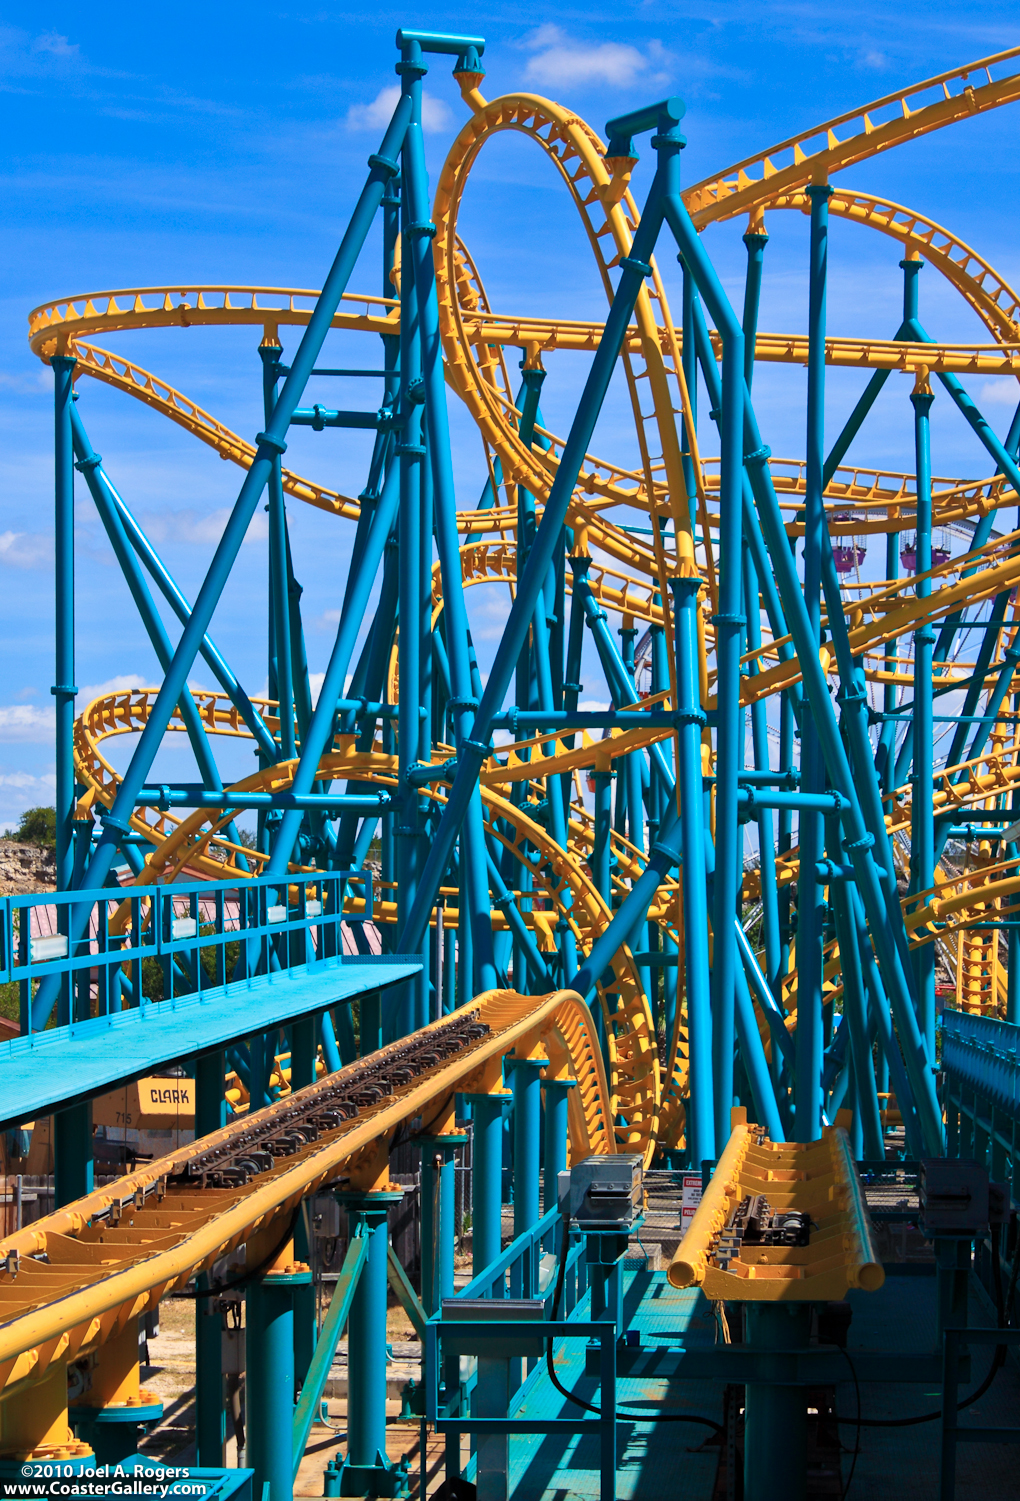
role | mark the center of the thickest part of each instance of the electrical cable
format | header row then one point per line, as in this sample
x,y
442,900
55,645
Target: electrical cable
x,y
246,1275
998,1358
857,1436
621,1407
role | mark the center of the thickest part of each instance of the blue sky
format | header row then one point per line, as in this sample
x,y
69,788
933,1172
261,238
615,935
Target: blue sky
x,y
226,143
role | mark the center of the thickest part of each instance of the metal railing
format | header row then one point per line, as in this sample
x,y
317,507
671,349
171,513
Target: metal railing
x,y
953,1431
528,1269
203,935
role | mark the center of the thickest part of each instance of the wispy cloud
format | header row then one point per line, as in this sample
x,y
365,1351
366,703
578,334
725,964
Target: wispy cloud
x,y
27,382
25,723
26,549
998,393
23,781
435,115
32,724
202,528
122,684
560,60
23,789
54,43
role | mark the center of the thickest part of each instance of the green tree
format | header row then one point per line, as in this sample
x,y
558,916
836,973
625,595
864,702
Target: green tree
x,y
37,826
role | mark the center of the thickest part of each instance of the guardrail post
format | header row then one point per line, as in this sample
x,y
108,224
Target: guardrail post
x,y
607,1397
950,1416
952,1271
603,1254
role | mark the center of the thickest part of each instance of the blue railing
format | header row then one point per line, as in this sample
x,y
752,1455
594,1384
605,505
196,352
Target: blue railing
x,y
982,1054
518,1272
459,1332
203,934
527,1268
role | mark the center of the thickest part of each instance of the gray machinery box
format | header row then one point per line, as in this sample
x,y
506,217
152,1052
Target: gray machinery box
x,y
604,1193
502,1313
954,1197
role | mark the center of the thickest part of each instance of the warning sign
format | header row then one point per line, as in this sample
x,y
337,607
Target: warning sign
x,y
691,1197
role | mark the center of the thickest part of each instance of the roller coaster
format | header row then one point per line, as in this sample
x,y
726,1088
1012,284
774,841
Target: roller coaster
x,y
761,866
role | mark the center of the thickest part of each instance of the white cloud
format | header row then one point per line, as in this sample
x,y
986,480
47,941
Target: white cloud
x,y
32,724
59,46
560,61
26,549
20,790
31,382
376,116
21,781
998,393
316,680
122,684
25,723
202,527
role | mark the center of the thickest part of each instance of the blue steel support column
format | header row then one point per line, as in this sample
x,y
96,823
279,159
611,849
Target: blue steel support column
x,y
462,703
887,738
729,622
269,1381
438,1208
700,1114
302,1052
557,1097
366,1469
72,1154
488,1113
922,834
867,841
64,688
271,441
689,361
1013,909
634,268
775,1424
527,1124
72,1128
755,241
810,899
210,1410
760,744
855,1009
437,1218
279,604
602,848
411,458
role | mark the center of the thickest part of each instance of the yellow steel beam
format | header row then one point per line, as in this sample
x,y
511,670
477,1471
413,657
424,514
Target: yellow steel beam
x,y
818,1178
818,154
70,1280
